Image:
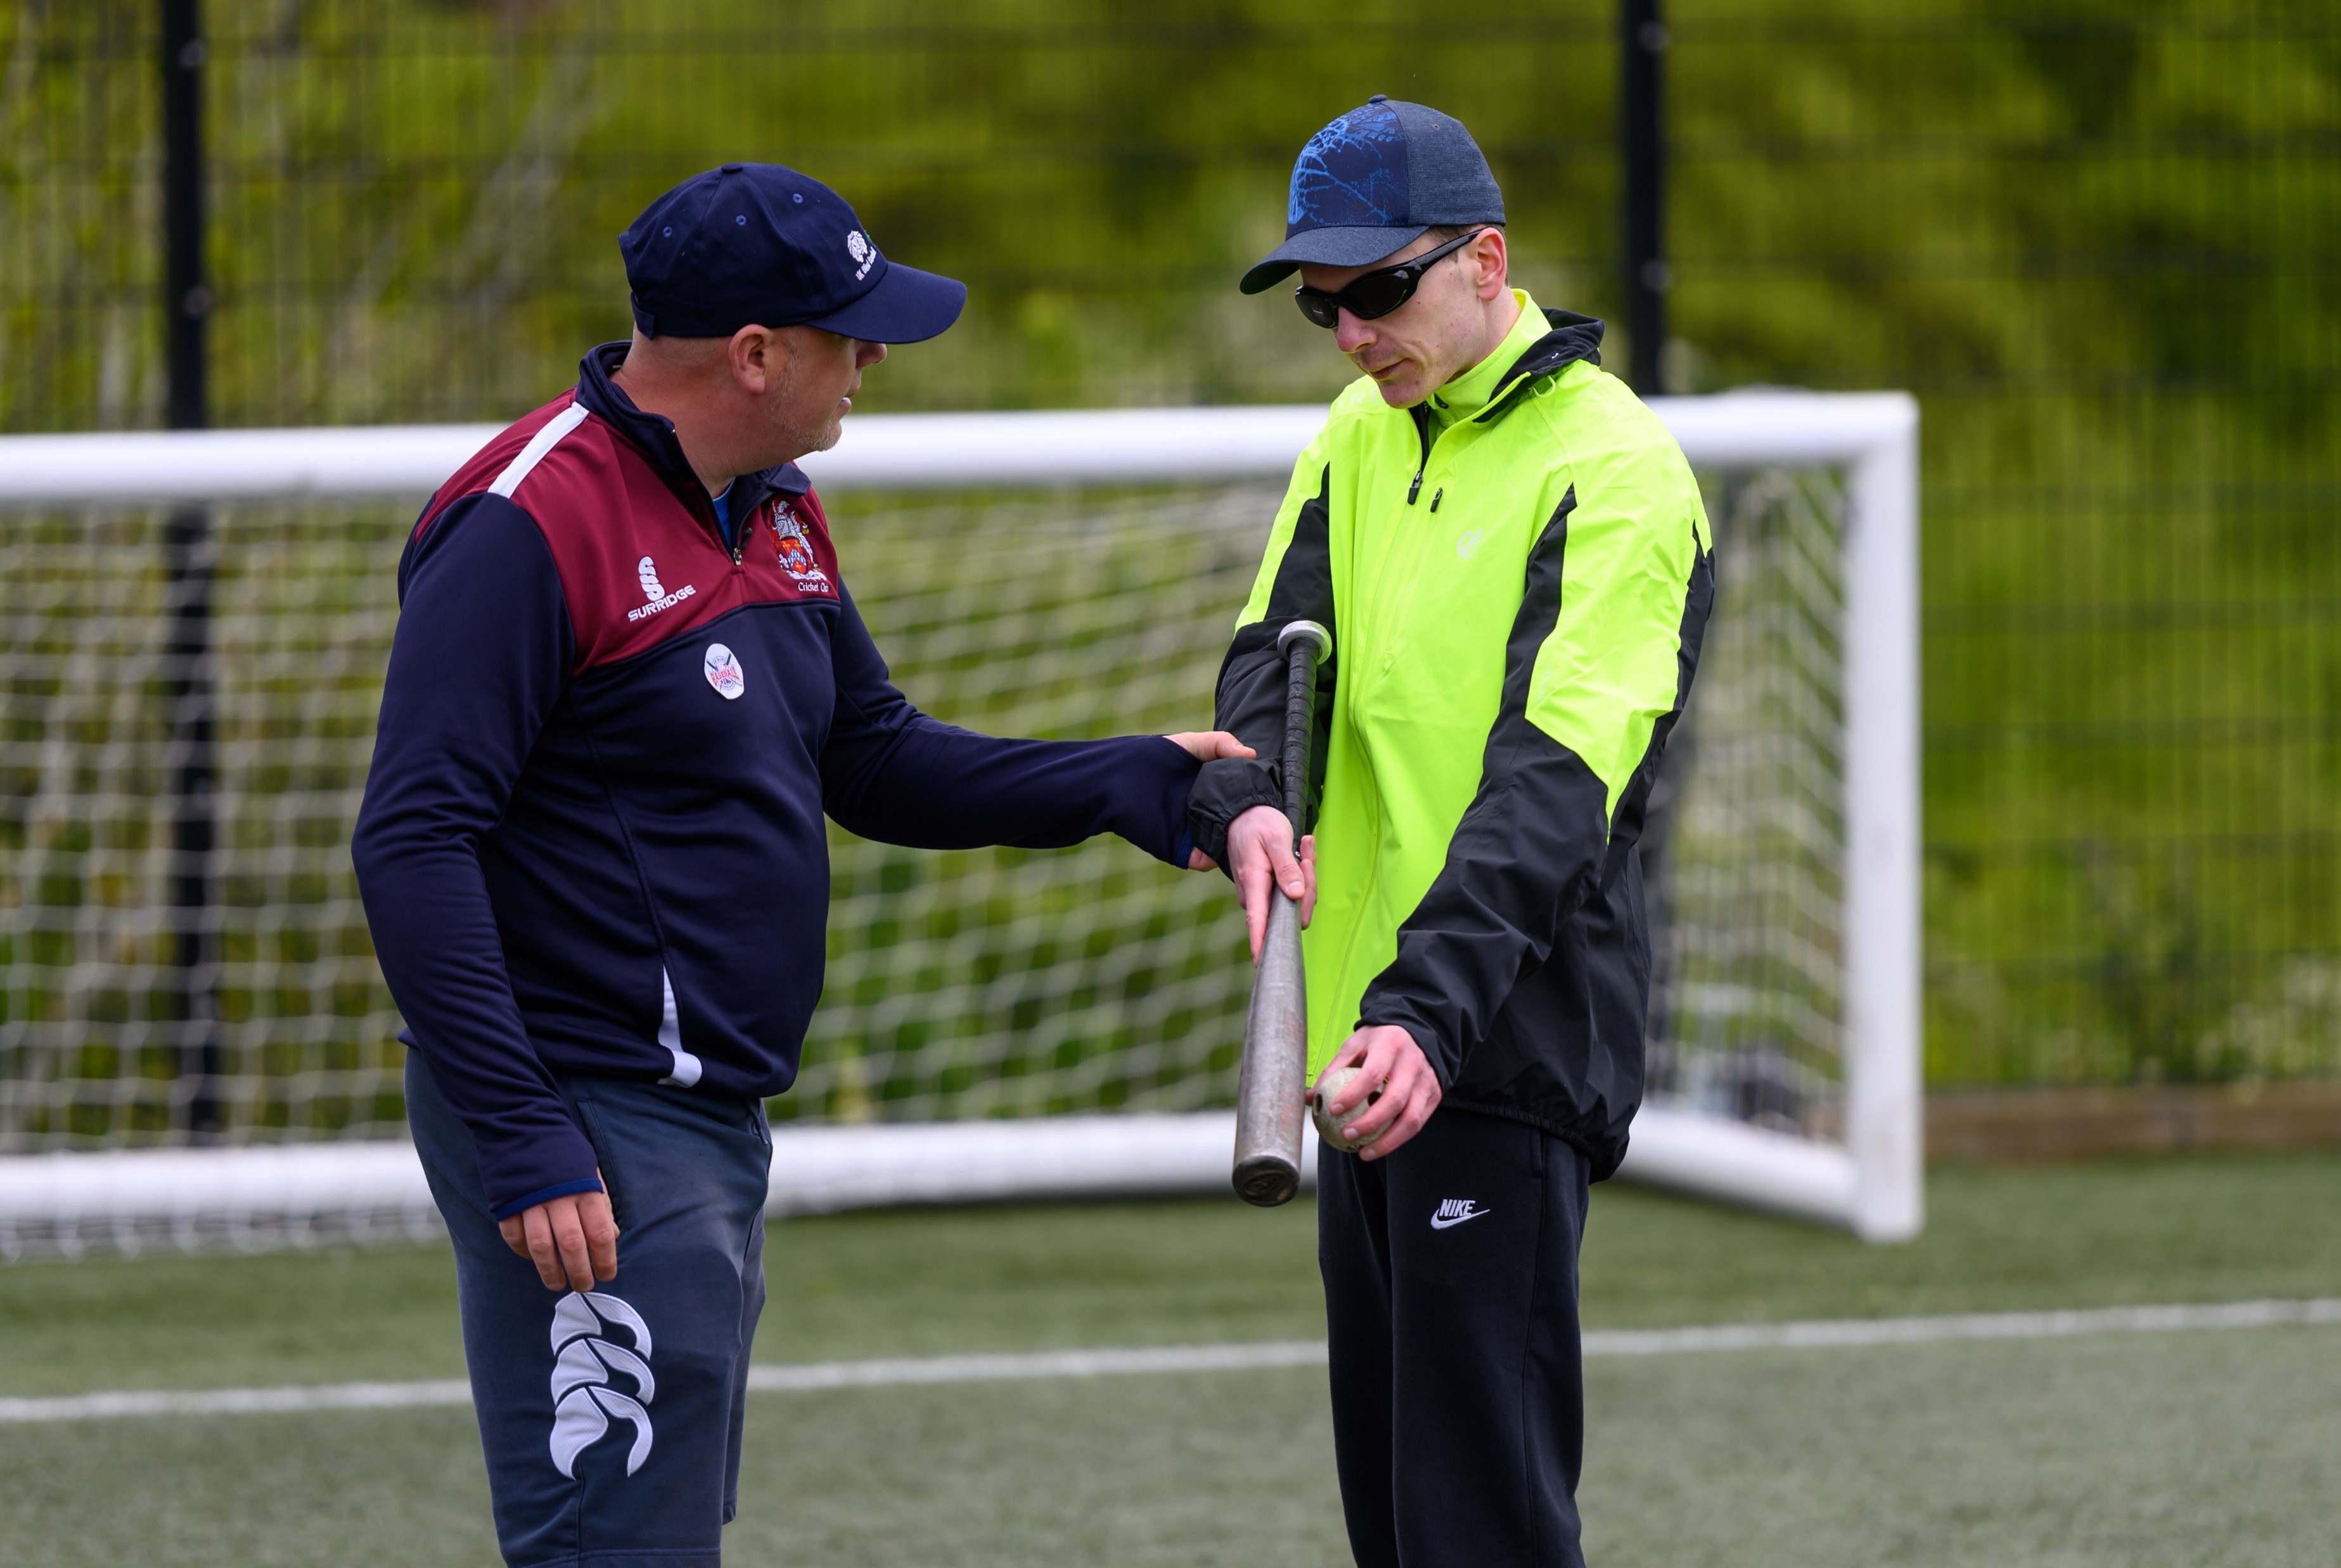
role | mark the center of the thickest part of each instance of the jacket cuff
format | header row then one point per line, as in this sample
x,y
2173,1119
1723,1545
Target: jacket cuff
x,y
1224,791
1175,768
526,1166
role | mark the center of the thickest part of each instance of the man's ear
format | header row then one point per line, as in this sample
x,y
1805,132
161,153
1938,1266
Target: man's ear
x,y
1488,253
760,359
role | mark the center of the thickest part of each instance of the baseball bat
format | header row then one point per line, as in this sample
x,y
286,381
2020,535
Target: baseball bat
x,y
1271,1087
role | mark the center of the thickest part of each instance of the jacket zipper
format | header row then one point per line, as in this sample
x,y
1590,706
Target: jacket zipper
x,y
1422,431
737,548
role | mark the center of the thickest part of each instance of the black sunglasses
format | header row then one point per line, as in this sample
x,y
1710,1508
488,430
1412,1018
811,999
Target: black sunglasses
x,y
1376,294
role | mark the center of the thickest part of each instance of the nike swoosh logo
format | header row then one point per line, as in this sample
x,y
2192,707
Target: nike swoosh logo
x,y
1450,1223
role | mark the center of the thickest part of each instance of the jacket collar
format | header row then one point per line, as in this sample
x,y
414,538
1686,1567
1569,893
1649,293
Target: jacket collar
x,y
653,435
1573,337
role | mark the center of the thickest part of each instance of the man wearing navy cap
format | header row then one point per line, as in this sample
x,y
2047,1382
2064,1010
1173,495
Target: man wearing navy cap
x,y
1512,557
628,684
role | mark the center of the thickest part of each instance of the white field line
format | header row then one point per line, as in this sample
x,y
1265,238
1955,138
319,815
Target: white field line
x,y
238,1401
1834,1333
1826,1334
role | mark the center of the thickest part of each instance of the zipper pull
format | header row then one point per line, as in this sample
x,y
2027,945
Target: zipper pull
x,y
1435,495
1415,489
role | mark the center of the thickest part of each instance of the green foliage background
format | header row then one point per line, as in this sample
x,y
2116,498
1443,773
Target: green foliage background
x,y
2097,239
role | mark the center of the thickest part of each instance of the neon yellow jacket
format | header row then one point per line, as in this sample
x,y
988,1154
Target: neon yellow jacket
x,y
1517,591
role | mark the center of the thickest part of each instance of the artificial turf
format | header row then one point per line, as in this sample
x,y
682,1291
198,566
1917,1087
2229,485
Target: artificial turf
x,y
2145,1450
936,1281
2136,1449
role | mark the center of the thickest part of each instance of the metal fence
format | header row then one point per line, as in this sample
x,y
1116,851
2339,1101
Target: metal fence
x,y
2099,242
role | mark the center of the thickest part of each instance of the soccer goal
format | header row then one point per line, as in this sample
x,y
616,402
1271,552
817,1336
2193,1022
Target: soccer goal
x,y
195,1044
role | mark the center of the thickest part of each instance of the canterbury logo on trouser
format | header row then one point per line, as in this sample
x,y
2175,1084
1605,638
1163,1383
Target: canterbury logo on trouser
x,y
583,1404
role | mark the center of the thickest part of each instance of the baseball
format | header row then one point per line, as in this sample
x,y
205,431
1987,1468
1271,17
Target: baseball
x,y
1328,1088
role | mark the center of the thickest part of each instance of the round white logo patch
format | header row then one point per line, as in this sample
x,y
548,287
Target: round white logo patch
x,y
724,672
1467,544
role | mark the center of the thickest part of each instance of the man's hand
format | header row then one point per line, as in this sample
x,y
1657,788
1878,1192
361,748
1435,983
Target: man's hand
x,y
1260,852
573,1240
1210,745
1386,1058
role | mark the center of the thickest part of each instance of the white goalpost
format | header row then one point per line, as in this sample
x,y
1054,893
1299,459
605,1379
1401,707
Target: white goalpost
x,y
972,1046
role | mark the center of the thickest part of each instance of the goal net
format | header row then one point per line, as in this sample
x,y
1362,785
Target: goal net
x,y
195,1042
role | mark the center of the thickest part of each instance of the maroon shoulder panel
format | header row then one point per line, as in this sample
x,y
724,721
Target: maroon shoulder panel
x,y
482,469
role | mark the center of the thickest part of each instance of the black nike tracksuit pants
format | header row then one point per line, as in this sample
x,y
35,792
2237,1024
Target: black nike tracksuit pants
x,y
1450,1298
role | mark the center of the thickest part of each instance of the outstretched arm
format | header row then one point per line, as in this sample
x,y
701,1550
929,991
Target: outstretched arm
x,y
891,773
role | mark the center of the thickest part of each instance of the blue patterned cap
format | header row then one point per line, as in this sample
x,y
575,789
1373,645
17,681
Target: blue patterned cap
x,y
1366,185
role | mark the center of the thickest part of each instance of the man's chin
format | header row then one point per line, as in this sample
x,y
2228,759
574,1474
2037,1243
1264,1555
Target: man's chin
x,y
1395,381
1400,392
802,442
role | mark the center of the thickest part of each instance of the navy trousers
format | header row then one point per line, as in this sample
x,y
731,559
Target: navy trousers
x,y
612,1419
1451,1303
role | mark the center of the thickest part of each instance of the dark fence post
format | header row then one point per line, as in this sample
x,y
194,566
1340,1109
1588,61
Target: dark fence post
x,y
187,549
1642,47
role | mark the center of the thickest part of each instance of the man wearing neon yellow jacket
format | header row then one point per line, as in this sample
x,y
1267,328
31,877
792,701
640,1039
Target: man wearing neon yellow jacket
x,y
1513,557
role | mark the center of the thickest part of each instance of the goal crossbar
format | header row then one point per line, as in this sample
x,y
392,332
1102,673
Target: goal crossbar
x,y
1871,1182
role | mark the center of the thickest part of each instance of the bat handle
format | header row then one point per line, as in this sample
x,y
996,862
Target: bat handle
x,y
1305,645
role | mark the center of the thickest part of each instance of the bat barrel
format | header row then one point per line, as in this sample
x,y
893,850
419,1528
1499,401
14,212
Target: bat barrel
x,y
1274,1080
1269,1093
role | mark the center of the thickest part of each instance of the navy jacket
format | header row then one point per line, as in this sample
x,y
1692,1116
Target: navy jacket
x,y
591,839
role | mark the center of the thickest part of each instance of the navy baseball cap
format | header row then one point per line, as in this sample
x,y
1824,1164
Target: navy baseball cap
x,y
1369,183
757,243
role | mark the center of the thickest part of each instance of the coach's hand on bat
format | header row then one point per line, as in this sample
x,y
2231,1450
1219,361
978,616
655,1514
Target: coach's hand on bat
x,y
1388,1060
1260,852
573,1240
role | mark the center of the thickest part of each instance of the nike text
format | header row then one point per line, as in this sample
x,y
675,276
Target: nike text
x,y
1454,1211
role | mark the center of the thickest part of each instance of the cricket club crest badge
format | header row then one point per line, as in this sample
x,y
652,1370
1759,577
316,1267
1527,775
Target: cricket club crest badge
x,y
795,551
